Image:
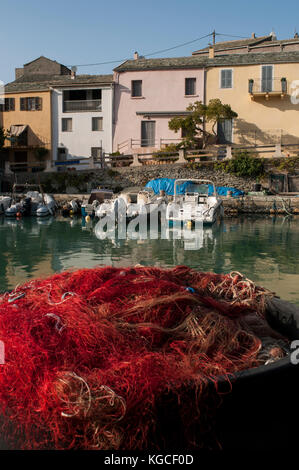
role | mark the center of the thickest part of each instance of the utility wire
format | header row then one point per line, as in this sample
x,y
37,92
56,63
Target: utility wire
x,y
157,52
145,55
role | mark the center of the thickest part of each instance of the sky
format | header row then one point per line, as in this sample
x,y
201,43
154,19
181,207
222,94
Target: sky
x,y
86,32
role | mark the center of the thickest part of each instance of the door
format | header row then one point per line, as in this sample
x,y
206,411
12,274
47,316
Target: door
x,y
225,131
267,78
148,133
20,157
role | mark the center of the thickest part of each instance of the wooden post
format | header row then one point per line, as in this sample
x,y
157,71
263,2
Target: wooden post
x,y
278,151
91,162
48,166
7,169
228,152
181,156
136,161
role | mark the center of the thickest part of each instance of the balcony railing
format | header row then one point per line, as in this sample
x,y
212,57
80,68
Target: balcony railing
x,y
274,87
82,105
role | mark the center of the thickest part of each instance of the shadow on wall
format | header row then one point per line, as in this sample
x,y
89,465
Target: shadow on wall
x,y
118,92
36,140
282,104
248,133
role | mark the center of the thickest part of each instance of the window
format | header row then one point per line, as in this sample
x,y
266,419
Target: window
x,y
190,86
267,78
148,133
96,152
226,78
136,88
97,124
8,105
31,104
66,124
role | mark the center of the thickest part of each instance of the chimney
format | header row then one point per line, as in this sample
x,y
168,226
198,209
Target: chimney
x,y
136,55
252,35
73,72
211,52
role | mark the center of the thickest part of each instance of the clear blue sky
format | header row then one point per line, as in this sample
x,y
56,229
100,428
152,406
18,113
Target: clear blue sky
x,y
79,32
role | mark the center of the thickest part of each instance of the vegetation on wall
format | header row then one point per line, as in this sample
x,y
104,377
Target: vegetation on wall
x,y
243,164
2,137
287,164
193,125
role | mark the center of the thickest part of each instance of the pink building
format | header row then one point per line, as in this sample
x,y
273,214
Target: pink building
x,y
148,93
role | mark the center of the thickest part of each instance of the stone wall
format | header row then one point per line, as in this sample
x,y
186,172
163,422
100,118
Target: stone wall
x,y
72,182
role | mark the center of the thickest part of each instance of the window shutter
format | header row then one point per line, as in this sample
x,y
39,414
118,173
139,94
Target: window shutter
x,y
226,78
22,104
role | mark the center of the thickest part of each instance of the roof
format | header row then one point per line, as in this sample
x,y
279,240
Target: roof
x,y
236,44
38,82
202,61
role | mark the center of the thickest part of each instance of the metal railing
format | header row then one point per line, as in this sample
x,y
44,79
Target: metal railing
x,y
259,85
82,105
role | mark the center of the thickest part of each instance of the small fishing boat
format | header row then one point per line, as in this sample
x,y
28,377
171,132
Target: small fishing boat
x,y
96,199
33,203
194,200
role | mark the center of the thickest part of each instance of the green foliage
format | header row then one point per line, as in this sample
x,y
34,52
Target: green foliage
x,y
243,164
2,137
289,164
41,153
168,151
116,154
192,126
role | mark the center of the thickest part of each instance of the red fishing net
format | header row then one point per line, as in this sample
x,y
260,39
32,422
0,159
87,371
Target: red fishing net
x,y
89,355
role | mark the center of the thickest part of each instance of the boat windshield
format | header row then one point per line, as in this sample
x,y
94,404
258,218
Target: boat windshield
x,y
199,188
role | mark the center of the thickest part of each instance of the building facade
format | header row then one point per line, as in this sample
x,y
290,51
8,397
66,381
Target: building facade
x,y
148,93
53,116
263,88
82,117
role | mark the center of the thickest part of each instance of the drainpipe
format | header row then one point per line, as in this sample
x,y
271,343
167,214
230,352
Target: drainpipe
x,y
204,93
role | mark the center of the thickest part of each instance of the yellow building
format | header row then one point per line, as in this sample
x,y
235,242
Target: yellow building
x,y
263,88
27,115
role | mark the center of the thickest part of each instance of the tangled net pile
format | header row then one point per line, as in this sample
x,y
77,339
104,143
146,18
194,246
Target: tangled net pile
x,y
90,354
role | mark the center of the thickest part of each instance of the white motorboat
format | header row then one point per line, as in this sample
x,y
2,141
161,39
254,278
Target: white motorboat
x,y
147,203
33,203
118,204
4,203
131,203
194,200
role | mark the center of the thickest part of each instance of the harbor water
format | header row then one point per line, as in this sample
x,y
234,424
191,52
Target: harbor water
x,y
265,249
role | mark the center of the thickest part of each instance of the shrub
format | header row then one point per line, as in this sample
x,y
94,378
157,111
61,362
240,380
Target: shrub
x,y
243,163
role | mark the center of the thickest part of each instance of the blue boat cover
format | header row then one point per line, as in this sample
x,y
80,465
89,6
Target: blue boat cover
x,y
167,185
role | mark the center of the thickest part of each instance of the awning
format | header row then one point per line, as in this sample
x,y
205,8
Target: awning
x,y
17,130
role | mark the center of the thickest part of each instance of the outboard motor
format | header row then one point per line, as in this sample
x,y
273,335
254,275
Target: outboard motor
x,y
27,206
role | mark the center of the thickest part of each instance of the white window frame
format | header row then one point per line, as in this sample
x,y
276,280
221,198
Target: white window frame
x,y
220,72
261,75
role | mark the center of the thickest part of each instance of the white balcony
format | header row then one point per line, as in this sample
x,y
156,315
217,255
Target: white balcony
x,y
77,106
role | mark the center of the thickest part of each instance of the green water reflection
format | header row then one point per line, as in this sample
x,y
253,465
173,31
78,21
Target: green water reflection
x,y
264,249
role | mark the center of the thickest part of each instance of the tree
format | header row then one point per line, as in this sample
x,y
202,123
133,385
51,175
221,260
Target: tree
x,y
193,125
2,137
